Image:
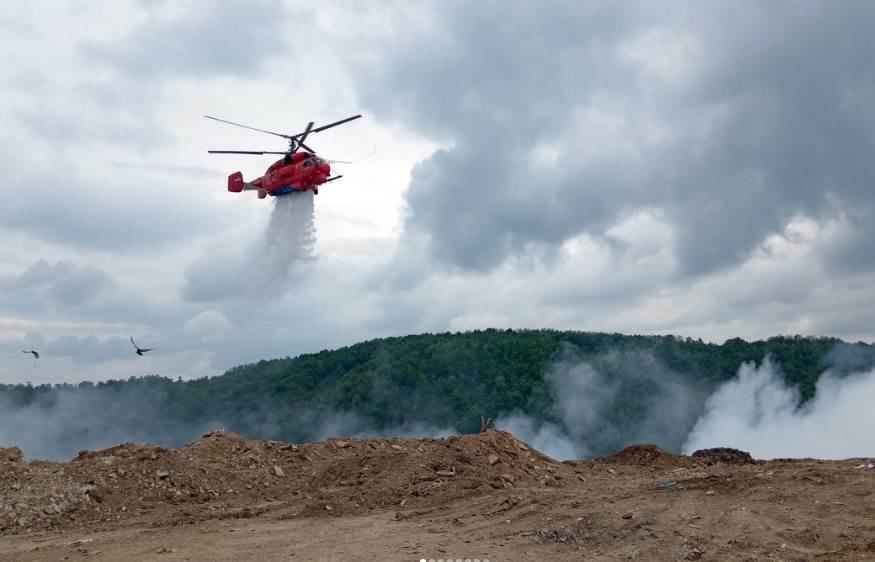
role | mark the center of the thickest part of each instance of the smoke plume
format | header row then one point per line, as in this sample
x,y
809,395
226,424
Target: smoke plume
x,y
759,413
606,403
57,425
591,407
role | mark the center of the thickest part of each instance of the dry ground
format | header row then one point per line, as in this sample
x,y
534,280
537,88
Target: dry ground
x,y
486,496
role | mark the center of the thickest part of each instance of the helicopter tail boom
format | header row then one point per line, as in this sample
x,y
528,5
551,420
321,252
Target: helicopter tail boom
x,y
236,183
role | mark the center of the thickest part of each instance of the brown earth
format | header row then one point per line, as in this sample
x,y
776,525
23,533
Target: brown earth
x,y
486,496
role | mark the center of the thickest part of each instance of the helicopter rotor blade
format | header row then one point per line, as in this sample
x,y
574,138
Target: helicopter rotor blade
x,y
243,152
300,138
335,124
248,127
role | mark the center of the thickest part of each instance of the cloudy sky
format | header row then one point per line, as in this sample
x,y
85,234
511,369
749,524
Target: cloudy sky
x,y
630,166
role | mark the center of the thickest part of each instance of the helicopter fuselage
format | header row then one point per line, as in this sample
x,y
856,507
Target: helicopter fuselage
x,y
300,171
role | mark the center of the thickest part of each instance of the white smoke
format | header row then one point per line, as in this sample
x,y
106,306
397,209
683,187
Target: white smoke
x,y
759,413
579,394
590,401
57,426
547,438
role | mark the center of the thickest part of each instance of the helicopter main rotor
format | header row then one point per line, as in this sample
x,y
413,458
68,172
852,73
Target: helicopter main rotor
x,y
296,142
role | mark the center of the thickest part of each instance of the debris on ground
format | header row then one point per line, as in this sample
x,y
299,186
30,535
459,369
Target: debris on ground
x,y
725,455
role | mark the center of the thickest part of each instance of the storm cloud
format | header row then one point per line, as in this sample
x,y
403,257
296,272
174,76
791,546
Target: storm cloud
x,y
732,120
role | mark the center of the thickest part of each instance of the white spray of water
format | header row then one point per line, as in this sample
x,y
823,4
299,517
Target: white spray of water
x,y
290,234
261,266
759,413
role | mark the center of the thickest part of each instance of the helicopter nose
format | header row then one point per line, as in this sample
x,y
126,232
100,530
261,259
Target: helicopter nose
x,y
324,168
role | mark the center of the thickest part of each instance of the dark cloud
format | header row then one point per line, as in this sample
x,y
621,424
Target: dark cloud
x,y
733,120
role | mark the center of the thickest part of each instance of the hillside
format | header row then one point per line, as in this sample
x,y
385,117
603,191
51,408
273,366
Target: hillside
x,y
423,384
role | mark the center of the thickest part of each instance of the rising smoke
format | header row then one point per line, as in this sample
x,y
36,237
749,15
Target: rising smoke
x,y
595,407
759,413
58,425
603,404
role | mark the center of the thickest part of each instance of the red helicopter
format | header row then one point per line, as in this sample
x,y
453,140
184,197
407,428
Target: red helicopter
x,y
295,171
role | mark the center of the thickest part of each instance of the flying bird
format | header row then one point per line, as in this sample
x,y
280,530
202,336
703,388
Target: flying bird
x,y
140,350
34,353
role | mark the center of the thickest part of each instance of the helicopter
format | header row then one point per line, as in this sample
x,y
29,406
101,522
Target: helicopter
x,y
297,171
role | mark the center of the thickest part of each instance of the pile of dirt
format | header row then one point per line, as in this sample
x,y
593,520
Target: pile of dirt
x,y
724,455
646,455
487,495
224,475
11,454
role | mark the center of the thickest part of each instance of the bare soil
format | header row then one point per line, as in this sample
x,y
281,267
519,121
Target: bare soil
x,y
486,496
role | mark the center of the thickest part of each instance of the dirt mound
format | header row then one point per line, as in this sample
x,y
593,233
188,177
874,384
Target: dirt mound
x,y
486,494
646,455
10,454
225,475
725,455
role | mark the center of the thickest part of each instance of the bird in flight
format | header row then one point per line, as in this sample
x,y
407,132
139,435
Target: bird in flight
x,y
140,350
34,353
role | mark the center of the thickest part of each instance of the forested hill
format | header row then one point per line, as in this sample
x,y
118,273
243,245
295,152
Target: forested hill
x,y
414,382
